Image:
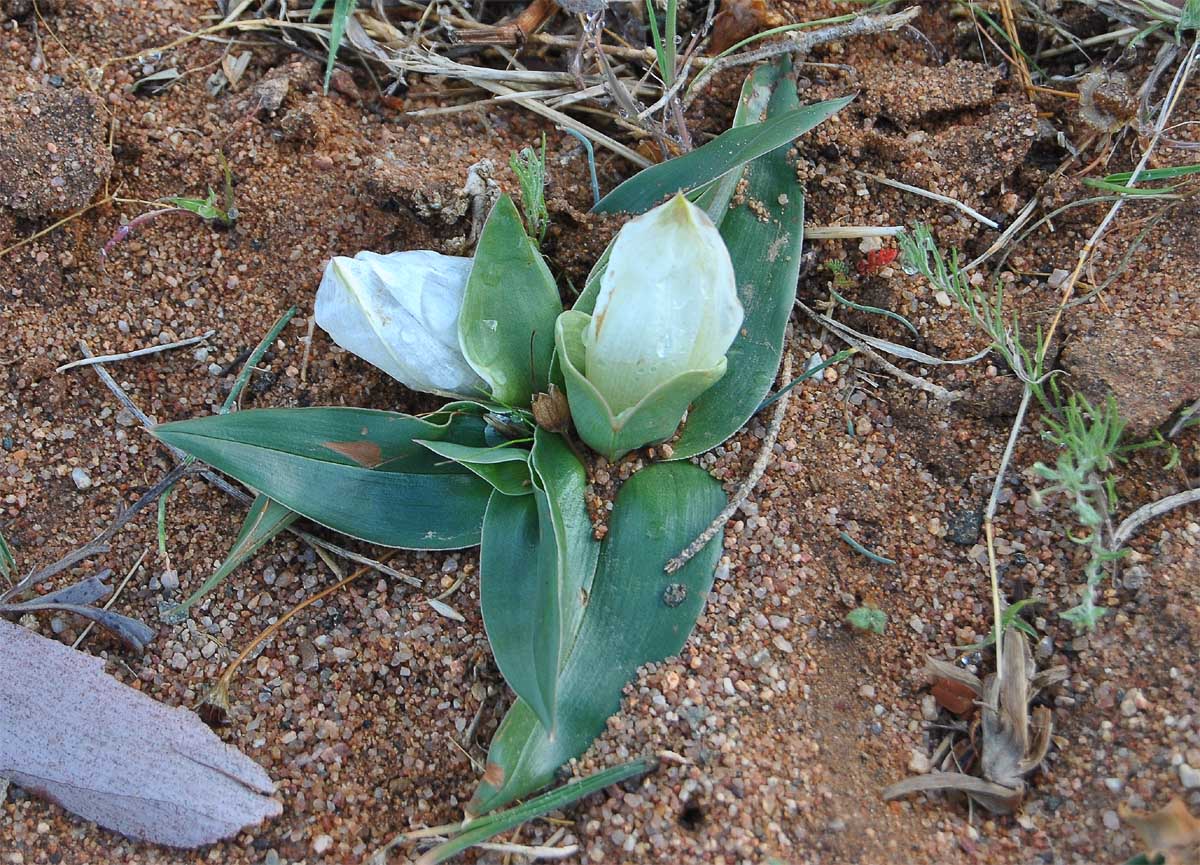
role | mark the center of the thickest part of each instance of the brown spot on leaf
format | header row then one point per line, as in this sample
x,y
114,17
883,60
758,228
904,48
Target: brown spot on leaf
x,y
493,775
365,453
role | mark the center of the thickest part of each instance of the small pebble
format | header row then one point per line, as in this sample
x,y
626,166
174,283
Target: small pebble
x,y
169,580
322,843
919,763
81,479
1189,777
1130,705
1111,822
929,707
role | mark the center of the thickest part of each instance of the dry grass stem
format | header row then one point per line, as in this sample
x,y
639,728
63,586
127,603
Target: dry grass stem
x,y
747,486
935,196
141,352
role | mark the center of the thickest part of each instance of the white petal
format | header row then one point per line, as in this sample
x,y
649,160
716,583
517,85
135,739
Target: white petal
x,y
400,313
667,304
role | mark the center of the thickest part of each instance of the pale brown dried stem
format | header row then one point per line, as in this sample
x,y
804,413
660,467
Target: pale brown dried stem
x,y
751,481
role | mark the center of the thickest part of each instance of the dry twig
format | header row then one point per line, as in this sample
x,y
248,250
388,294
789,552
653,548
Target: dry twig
x,y
141,352
747,486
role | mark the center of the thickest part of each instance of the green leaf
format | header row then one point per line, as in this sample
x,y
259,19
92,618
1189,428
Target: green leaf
x,y
714,198
564,480
728,151
506,327
1122,177
505,468
204,208
868,619
756,94
766,260
635,614
488,827
357,471
342,10
537,560
516,572
7,562
655,418
265,520
1189,18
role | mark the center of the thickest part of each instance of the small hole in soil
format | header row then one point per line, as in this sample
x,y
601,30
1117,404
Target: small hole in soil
x,y
692,817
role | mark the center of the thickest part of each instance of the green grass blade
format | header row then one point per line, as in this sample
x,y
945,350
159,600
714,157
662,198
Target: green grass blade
x,y
488,827
1154,174
342,10
265,520
7,562
863,551
805,376
669,46
728,151
656,38
894,316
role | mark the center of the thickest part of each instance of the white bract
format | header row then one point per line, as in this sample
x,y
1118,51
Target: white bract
x,y
667,305
400,313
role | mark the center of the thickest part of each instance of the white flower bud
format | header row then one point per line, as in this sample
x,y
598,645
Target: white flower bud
x,y
667,305
400,313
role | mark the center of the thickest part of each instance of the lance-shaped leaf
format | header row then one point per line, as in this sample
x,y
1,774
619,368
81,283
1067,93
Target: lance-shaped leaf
x,y
505,468
752,103
506,326
764,235
265,519
715,197
635,614
725,153
537,560
357,471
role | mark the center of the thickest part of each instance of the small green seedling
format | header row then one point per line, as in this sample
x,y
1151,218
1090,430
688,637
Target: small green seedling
x,y
1010,617
206,208
1089,437
530,167
868,618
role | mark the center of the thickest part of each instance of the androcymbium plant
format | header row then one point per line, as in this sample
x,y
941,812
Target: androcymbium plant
x,y
684,314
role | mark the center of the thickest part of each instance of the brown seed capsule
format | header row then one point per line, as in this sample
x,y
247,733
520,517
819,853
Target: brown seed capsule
x,y
551,411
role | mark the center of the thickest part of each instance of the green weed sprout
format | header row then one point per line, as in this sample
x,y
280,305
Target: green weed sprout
x,y
1089,437
530,167
868,619
920,256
